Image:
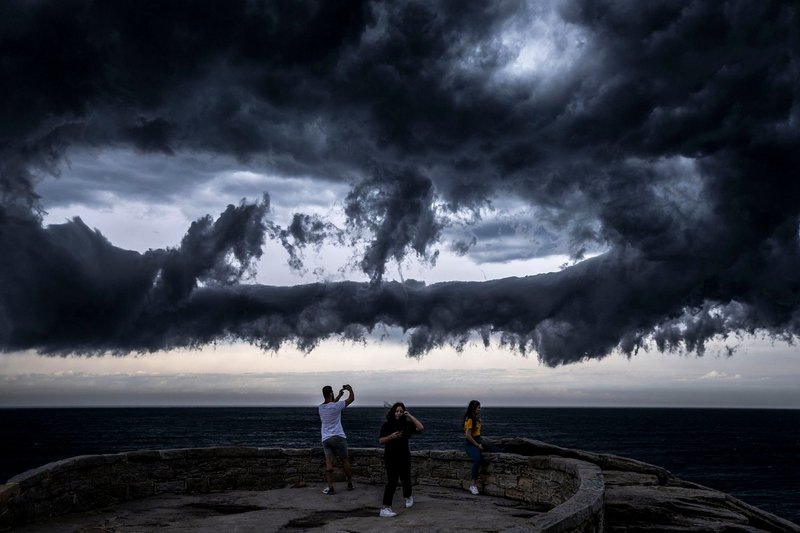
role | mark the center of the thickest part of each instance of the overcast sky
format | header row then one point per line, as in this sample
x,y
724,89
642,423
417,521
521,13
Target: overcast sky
x,y
530,203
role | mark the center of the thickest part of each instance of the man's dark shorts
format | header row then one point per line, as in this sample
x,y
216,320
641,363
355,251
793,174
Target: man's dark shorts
x,y
335,446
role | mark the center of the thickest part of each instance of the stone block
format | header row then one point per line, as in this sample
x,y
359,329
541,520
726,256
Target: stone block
x,y
59,482
94,499
444,473
8,491
252,482
304,452
493,490
200,453
312,470
33,494
234,451
514,494
270,453
525,484
177,487
6,519
140,489
503,480
541,462
196,485
268,483
264,473
451,483
224,482
33,511
90,484
143,456
616,477
162,472
438,455
62,504
130,473
174,454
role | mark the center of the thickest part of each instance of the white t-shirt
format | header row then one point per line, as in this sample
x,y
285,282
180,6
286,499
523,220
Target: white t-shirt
x,y
331,416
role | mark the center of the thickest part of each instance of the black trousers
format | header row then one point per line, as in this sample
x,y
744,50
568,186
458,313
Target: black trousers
x,y
397,468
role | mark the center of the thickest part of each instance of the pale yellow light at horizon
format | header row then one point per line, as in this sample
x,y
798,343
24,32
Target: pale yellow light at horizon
x,y
756,359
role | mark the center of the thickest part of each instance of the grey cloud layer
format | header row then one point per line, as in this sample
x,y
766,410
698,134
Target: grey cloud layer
x,y
665,132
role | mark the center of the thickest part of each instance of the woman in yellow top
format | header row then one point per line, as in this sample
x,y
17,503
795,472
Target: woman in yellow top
x,y
473,444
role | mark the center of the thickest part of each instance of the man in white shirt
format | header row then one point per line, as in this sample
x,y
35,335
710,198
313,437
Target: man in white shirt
x,y
334,441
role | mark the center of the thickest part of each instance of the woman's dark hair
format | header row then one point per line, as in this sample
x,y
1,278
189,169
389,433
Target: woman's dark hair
x,y
470,412
390,414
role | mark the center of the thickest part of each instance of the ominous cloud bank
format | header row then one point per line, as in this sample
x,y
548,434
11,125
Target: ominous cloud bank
x,y
665,132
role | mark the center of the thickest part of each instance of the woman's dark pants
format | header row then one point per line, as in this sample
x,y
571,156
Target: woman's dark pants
x,y
397,468
475,454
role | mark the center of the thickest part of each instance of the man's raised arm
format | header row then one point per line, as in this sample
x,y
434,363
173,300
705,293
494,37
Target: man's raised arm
x,y
351,395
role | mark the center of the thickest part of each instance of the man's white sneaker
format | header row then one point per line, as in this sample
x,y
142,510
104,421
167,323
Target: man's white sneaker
x,y
387,512
473,489
409,501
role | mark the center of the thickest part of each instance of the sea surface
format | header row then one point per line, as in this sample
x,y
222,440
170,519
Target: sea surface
x,y
752,454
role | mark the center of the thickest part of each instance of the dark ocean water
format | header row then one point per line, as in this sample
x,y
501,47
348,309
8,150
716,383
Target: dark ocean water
x,y
752,454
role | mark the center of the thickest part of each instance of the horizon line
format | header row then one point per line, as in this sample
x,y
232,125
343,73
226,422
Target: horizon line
x,y
376,406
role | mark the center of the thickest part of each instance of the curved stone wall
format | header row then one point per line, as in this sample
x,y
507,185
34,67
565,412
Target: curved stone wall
x,y
569,492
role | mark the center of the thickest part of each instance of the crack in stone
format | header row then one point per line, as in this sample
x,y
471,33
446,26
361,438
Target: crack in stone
x,y
321,518
224,508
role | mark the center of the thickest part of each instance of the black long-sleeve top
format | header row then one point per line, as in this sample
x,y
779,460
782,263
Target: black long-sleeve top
x,y
398,447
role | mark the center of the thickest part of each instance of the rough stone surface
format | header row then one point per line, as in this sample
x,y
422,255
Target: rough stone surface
x,y
640,497
435,509
564,494
533,486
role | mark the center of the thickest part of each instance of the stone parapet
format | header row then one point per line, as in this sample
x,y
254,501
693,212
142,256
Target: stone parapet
x,y
567,493
638,496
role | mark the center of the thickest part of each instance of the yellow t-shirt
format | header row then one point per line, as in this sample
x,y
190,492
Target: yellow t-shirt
x,y
475,432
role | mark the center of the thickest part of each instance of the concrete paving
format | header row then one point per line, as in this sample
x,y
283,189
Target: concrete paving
x,y
435,509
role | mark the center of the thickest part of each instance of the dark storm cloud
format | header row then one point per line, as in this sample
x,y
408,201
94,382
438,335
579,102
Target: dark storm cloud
x,y
664,132
67,288
398,212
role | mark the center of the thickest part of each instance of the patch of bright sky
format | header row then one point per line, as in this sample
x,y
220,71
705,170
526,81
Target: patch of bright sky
x,y
141,223
756,376
542,45
139,226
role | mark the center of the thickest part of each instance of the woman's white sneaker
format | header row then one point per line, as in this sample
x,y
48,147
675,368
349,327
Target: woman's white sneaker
x,y
473,489
409,501
387,512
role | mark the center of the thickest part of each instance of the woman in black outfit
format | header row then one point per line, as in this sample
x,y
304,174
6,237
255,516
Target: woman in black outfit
x,y
395,432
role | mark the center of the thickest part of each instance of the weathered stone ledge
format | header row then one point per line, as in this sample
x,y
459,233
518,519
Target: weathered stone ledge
x,y
565,489
646,498
566,493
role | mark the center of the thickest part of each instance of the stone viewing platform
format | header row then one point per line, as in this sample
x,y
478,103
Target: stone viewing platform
x,y
530,486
